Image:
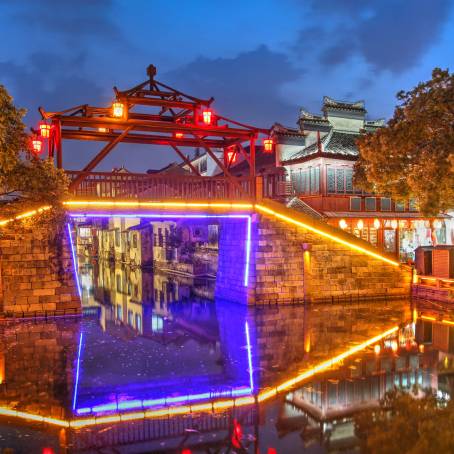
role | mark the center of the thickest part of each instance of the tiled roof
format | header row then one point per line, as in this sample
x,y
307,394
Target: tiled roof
x,y
342,143
330,102
336,142
298,205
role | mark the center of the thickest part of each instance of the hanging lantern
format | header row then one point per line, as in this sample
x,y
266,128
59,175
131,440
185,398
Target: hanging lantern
x,y
37,144
207,116
231,157
394,346
118,109
343,224
377,223
179,135
394,224
102,129
360,224
402,224
377,349
44,129
268,145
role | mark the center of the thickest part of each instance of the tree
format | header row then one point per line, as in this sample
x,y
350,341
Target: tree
x,y
413,156
24,177
408,424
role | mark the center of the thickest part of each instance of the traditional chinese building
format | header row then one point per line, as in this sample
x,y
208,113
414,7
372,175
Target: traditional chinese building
x,y
319,157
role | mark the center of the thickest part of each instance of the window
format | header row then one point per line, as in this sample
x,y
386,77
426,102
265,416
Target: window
x,y
130,320
412,205
355,203
203,165
134,240
340,180
399,205
119,312
349,180
157,324
315,179
160,237
117,237
118,278
331,180
138,323
385,203
371,204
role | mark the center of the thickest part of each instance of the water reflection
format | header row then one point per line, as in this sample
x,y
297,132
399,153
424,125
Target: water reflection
x,y
152,336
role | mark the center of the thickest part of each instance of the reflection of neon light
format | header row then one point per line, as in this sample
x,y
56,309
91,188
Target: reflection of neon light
x,y
73,253
177,215
249,356
77,370
202,407
325,234
150,403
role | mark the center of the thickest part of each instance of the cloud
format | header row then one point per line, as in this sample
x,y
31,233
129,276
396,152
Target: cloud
x,y
246,87
390,35
51,81
70,19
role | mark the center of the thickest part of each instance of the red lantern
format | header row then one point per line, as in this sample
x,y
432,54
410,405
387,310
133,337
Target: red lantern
x,y
268,145
37,144
179,135
231,157
44,129
207,116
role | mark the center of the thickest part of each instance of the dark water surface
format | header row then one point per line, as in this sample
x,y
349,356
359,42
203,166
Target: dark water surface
x,y
152,339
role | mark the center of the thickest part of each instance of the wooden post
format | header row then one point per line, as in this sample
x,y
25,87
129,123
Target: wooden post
x,y
59,145
252,164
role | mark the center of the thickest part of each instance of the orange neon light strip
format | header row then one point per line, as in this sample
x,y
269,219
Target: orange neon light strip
x,y
325,234
203,407
27,214
137,204
426,317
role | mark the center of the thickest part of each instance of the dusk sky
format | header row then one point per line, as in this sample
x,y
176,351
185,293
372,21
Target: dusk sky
x,y
261,60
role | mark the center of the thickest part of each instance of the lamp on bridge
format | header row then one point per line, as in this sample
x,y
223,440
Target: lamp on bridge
x,y
179,135
268,145
207,117
44,129
118,109
37,144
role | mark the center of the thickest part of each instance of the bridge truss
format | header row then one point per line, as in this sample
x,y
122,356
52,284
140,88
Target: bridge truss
x,y
153,113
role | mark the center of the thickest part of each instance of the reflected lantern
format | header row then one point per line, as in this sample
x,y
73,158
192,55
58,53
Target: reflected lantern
x,y
37,144
268,145
179,135
377,223
207,116
118,109
343,224
44,129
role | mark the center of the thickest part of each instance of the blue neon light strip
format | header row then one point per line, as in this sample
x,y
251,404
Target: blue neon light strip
x,y
155,403
249,356
76,385
173,216
73,253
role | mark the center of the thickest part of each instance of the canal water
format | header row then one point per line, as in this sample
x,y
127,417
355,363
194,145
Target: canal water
x,y
153,338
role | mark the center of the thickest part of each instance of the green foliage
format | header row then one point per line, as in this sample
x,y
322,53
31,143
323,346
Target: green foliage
x,y
414,155
406,424
30,180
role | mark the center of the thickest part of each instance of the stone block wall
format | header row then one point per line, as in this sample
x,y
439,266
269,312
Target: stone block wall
x,y
290,263
37,361
36,271
294,263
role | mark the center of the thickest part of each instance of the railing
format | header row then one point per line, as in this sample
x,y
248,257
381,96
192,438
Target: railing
x,y
161,187
437,282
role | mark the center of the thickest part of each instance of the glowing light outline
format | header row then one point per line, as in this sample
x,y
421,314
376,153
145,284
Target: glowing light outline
x,y
76,385
73,253
335,238
24,215
185,216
